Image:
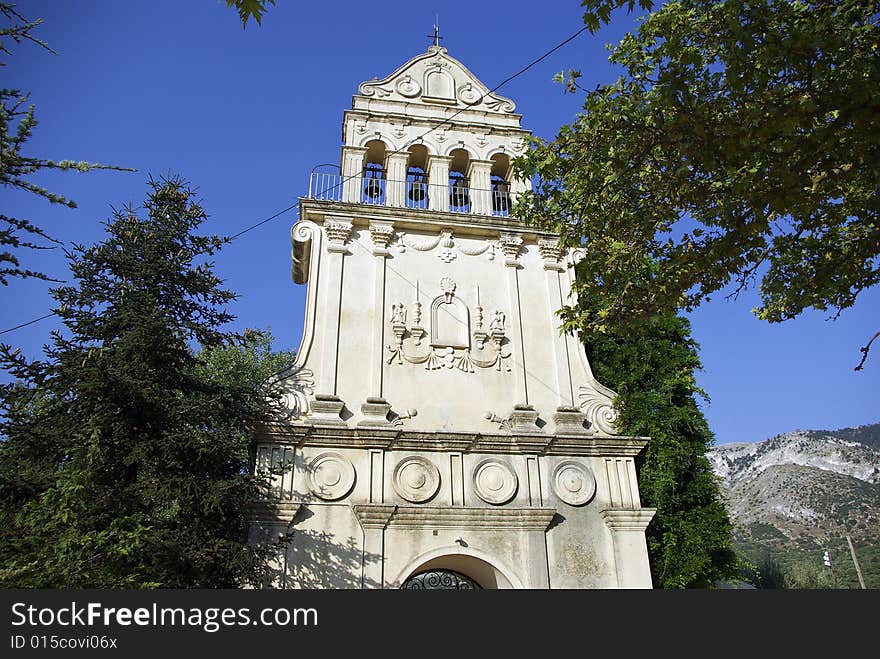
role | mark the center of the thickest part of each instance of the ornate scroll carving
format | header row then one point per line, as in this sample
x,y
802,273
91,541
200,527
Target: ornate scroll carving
x,y
367,89
599,410
499,104
290,392
468,95
408,87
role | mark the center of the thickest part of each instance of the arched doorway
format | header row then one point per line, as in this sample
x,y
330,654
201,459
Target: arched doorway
x,y
469,565
440,579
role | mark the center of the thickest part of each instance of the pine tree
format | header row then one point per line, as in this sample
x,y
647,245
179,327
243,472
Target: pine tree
x,y
125,461
690,539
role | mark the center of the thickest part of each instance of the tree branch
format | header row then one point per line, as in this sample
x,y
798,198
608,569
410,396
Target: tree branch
x,y
865,350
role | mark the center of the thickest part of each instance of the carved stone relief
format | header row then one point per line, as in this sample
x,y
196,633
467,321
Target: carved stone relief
x,y
573,483
338,232
449,248
495,482
452,345
599,409
330,476
416,479
290,392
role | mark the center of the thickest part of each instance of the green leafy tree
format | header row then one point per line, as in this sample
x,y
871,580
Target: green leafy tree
x,y
17,123
740,145
651,366
250,9
126,453
250,360
806,574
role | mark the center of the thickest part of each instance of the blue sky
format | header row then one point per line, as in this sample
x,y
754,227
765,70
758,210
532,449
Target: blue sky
x,y
169,86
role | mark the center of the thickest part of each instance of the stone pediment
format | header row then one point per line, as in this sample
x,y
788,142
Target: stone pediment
x,y
435,78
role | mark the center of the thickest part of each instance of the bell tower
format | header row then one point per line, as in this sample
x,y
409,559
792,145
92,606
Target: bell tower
x,y
436,421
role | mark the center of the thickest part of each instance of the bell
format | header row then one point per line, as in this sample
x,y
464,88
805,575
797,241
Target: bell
x,y
417,189
500,197
459,196
373,188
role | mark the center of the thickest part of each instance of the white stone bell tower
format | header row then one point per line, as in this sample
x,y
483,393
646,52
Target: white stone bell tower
x,y
439,429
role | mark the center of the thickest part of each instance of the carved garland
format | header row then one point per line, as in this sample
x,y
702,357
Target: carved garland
x,y
450,248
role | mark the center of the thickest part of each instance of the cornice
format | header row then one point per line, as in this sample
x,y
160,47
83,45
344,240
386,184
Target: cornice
x,y
417,218
301,434
380,516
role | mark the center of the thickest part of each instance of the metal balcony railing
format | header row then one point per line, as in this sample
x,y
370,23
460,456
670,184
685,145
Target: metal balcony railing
x,y
455,196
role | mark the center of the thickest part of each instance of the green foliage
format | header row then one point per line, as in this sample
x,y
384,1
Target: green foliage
x,y
766,573
807,575
651,367
741,144
126,454
250,359
17,123
801,563
250,8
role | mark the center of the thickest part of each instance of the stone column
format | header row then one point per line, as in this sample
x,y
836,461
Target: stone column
x,y
395,182
568,418
327,406
438,182
538,576
376,409
551,252
373,519
480,176
627,528
352,174
511,245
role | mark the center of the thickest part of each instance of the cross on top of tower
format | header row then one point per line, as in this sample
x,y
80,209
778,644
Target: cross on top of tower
x,y
436,36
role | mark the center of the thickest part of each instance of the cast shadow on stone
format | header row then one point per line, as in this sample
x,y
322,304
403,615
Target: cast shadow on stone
x,y
318,559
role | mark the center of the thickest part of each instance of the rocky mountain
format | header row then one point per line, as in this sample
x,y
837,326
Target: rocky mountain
x,y
795,495
804,486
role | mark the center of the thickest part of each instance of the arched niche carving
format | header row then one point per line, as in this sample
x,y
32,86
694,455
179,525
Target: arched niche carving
x,y
440,85
450,322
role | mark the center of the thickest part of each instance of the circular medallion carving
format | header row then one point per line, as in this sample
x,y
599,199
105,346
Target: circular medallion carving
x,y
408,87
416,479
330,476
495,482
469,95
574,483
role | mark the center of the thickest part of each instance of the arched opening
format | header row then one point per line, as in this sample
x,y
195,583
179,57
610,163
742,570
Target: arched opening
x,y
416,177
374,173
500,178
440,579
482,573
459,186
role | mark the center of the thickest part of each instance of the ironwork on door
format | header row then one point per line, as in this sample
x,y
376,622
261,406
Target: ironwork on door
x,y
440,580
